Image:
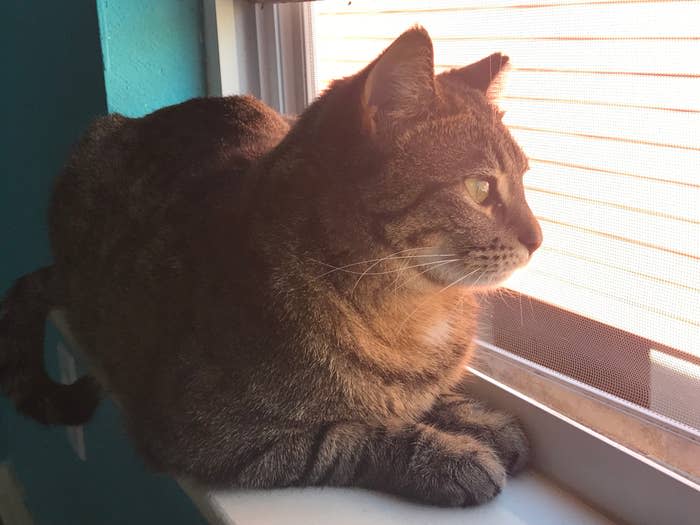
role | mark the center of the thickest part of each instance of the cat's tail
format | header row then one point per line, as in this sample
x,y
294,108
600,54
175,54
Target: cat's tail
x,y
23,377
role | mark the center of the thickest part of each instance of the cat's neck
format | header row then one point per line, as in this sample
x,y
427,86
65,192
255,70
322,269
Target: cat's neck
x,y
409,347
424,316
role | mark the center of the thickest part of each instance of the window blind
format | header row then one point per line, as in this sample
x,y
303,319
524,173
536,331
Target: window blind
x,y
604,97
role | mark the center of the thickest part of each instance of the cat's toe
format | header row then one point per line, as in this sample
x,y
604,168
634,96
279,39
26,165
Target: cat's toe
x,y
481,478
511,445
474,476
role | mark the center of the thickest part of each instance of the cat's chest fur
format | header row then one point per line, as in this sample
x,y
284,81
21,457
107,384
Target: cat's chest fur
x,y
409,350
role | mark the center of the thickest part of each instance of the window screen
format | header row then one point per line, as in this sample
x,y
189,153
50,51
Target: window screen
x,y
604,97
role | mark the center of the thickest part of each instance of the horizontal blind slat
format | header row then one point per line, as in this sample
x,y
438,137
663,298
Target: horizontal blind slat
x,y
645,125
606,138
639,159
579,71
659,231
655,91
636,257
575,21
622,238
668,300
355,64
677,93
565,98
612,172
666,56
343,7
651,195
597,203
627,271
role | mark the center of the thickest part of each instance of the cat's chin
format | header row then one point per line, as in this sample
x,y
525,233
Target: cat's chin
x,y
491,280
480,279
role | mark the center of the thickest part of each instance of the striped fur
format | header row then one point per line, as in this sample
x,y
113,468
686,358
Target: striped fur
x,y
275,306
453,466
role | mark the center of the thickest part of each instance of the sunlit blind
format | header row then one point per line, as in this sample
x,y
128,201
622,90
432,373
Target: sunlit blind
x,y
604,97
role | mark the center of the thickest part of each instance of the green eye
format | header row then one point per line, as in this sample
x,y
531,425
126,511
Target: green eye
x,y
478,189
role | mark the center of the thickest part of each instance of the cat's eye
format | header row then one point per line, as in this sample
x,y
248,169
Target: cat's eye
x,y
478,189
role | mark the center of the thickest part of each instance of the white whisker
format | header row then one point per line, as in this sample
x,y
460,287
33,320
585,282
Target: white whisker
x,y
453,283
372,266
434,264
395,270
393,257
339,268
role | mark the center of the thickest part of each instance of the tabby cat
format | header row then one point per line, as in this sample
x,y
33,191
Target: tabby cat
x,y
273,306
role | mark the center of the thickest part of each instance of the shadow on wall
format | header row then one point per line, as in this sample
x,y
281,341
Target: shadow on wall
x,y
55,85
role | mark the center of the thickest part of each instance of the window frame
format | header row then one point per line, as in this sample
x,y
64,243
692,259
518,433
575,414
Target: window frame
x,y
616,480
616,405
577,456
249,47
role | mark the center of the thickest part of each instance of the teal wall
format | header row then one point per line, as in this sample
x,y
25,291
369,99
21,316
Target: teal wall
x,y
65,63
153,53
52,87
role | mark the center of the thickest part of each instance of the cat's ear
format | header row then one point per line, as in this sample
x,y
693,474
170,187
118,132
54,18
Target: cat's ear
x,y
485,75
401,81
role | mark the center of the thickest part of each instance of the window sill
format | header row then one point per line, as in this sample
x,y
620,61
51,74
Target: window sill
x,y
671,445
529,499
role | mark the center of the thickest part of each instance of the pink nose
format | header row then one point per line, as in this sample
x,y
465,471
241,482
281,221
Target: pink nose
x,y
530,235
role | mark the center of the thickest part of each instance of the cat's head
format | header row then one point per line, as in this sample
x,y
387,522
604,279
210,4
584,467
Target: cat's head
x,y
420,166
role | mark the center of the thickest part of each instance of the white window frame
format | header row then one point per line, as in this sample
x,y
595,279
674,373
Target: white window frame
x,y
615,479
253,48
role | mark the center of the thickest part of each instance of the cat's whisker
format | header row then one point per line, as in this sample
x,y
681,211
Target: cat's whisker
x,y
453,283
435,264
398,277
372,266
404,268
396,270
336,268
417,308
520,304
389,258
479,278
501,293
351,264
345,270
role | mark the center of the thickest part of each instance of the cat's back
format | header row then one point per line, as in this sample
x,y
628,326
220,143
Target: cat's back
x,y
129,173
132,198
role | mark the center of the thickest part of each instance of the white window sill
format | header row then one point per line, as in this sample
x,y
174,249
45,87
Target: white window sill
x,y
529,499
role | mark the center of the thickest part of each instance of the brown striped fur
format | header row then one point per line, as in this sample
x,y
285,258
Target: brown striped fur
x,y
257,299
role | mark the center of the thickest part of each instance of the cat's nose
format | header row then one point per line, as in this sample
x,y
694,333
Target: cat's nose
x,y
530,236
526,228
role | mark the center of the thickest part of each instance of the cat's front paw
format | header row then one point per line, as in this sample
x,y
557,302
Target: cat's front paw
x,y
452,470
500,430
